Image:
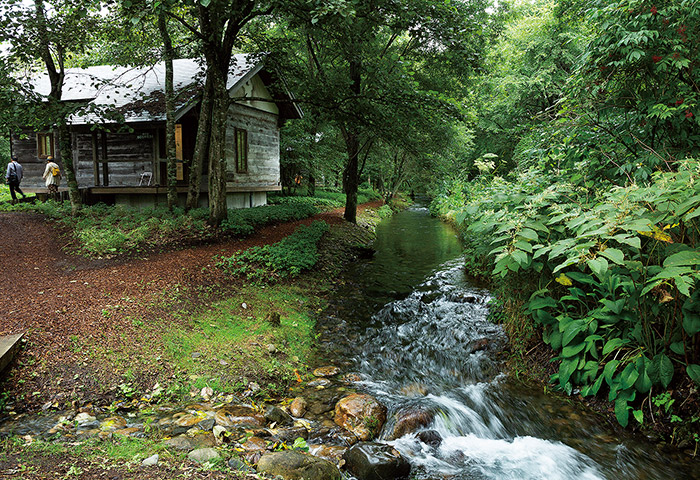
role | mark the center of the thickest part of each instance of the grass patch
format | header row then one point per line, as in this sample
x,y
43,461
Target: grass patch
x,y
5,192
92,458
237,332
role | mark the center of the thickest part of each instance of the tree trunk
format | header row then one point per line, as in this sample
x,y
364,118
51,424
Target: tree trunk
x,y
217,148
65,148
201,147
351,176
352,143
56,77
169,110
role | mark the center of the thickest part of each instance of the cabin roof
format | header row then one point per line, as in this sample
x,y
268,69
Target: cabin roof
x,y
138,93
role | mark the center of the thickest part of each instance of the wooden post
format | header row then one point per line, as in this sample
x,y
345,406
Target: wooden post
x,y
95,162
105,166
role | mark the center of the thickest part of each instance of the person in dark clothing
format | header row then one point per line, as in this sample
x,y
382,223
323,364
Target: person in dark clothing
x,y
14,178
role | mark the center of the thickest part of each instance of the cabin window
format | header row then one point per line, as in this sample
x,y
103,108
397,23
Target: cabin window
x,y
44,143
241,150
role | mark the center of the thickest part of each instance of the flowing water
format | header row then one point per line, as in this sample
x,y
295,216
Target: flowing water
x,y
416,330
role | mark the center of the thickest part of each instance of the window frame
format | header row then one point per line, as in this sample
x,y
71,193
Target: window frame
x,y
241,147
41,139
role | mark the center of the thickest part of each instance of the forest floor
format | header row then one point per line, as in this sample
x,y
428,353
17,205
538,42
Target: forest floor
x,y
94,329
59,300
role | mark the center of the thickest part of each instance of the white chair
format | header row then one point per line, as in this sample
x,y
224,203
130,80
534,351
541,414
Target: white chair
x,y
146,177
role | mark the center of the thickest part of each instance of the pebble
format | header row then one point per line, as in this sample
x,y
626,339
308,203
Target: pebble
x,y
150,461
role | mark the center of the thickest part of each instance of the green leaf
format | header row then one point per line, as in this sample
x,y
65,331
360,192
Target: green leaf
x,y
639,416
691,323
688,257
665,368
643,383
692,214
614,255
523,245
609,371
683,284
693,371
630,240
555,340
687,205
528,234
598,265
566,369
671,272
593,389
652,369
581,277
613,344
571,350
541,302
622,411
573,329
616,306
629,376
677,348
520,257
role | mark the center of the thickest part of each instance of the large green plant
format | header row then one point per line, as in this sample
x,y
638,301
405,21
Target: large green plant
x,y
612,276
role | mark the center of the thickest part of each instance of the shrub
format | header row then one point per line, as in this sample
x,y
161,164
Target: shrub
x,y
609,276
242,222
288,257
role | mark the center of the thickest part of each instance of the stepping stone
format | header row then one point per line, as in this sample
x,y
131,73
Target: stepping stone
x,y
9,345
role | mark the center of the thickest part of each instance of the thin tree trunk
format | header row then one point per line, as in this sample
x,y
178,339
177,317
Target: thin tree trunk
x,y
201,149
65,148
169,110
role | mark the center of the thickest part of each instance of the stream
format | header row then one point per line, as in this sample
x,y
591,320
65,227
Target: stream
x,y
415,329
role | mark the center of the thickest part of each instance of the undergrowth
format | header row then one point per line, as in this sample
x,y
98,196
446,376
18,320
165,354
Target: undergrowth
x,y
288,257
607,276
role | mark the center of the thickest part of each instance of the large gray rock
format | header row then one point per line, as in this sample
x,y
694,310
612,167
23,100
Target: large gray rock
x,y
202,455
150,461
295,465
180,442
376,461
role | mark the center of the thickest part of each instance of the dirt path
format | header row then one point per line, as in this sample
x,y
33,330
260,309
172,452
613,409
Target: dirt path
x,y
56,299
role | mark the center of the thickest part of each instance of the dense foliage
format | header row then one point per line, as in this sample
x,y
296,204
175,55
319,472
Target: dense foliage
x,y
584,208
615,273
286,258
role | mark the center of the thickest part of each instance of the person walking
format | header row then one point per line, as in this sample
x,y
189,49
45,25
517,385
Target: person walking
x,y
14,178
52,175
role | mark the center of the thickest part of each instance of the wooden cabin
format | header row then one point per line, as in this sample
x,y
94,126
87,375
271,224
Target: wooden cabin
x,y
118,137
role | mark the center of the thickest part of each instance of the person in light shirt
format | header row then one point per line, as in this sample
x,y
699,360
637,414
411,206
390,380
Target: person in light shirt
x,y
52,175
